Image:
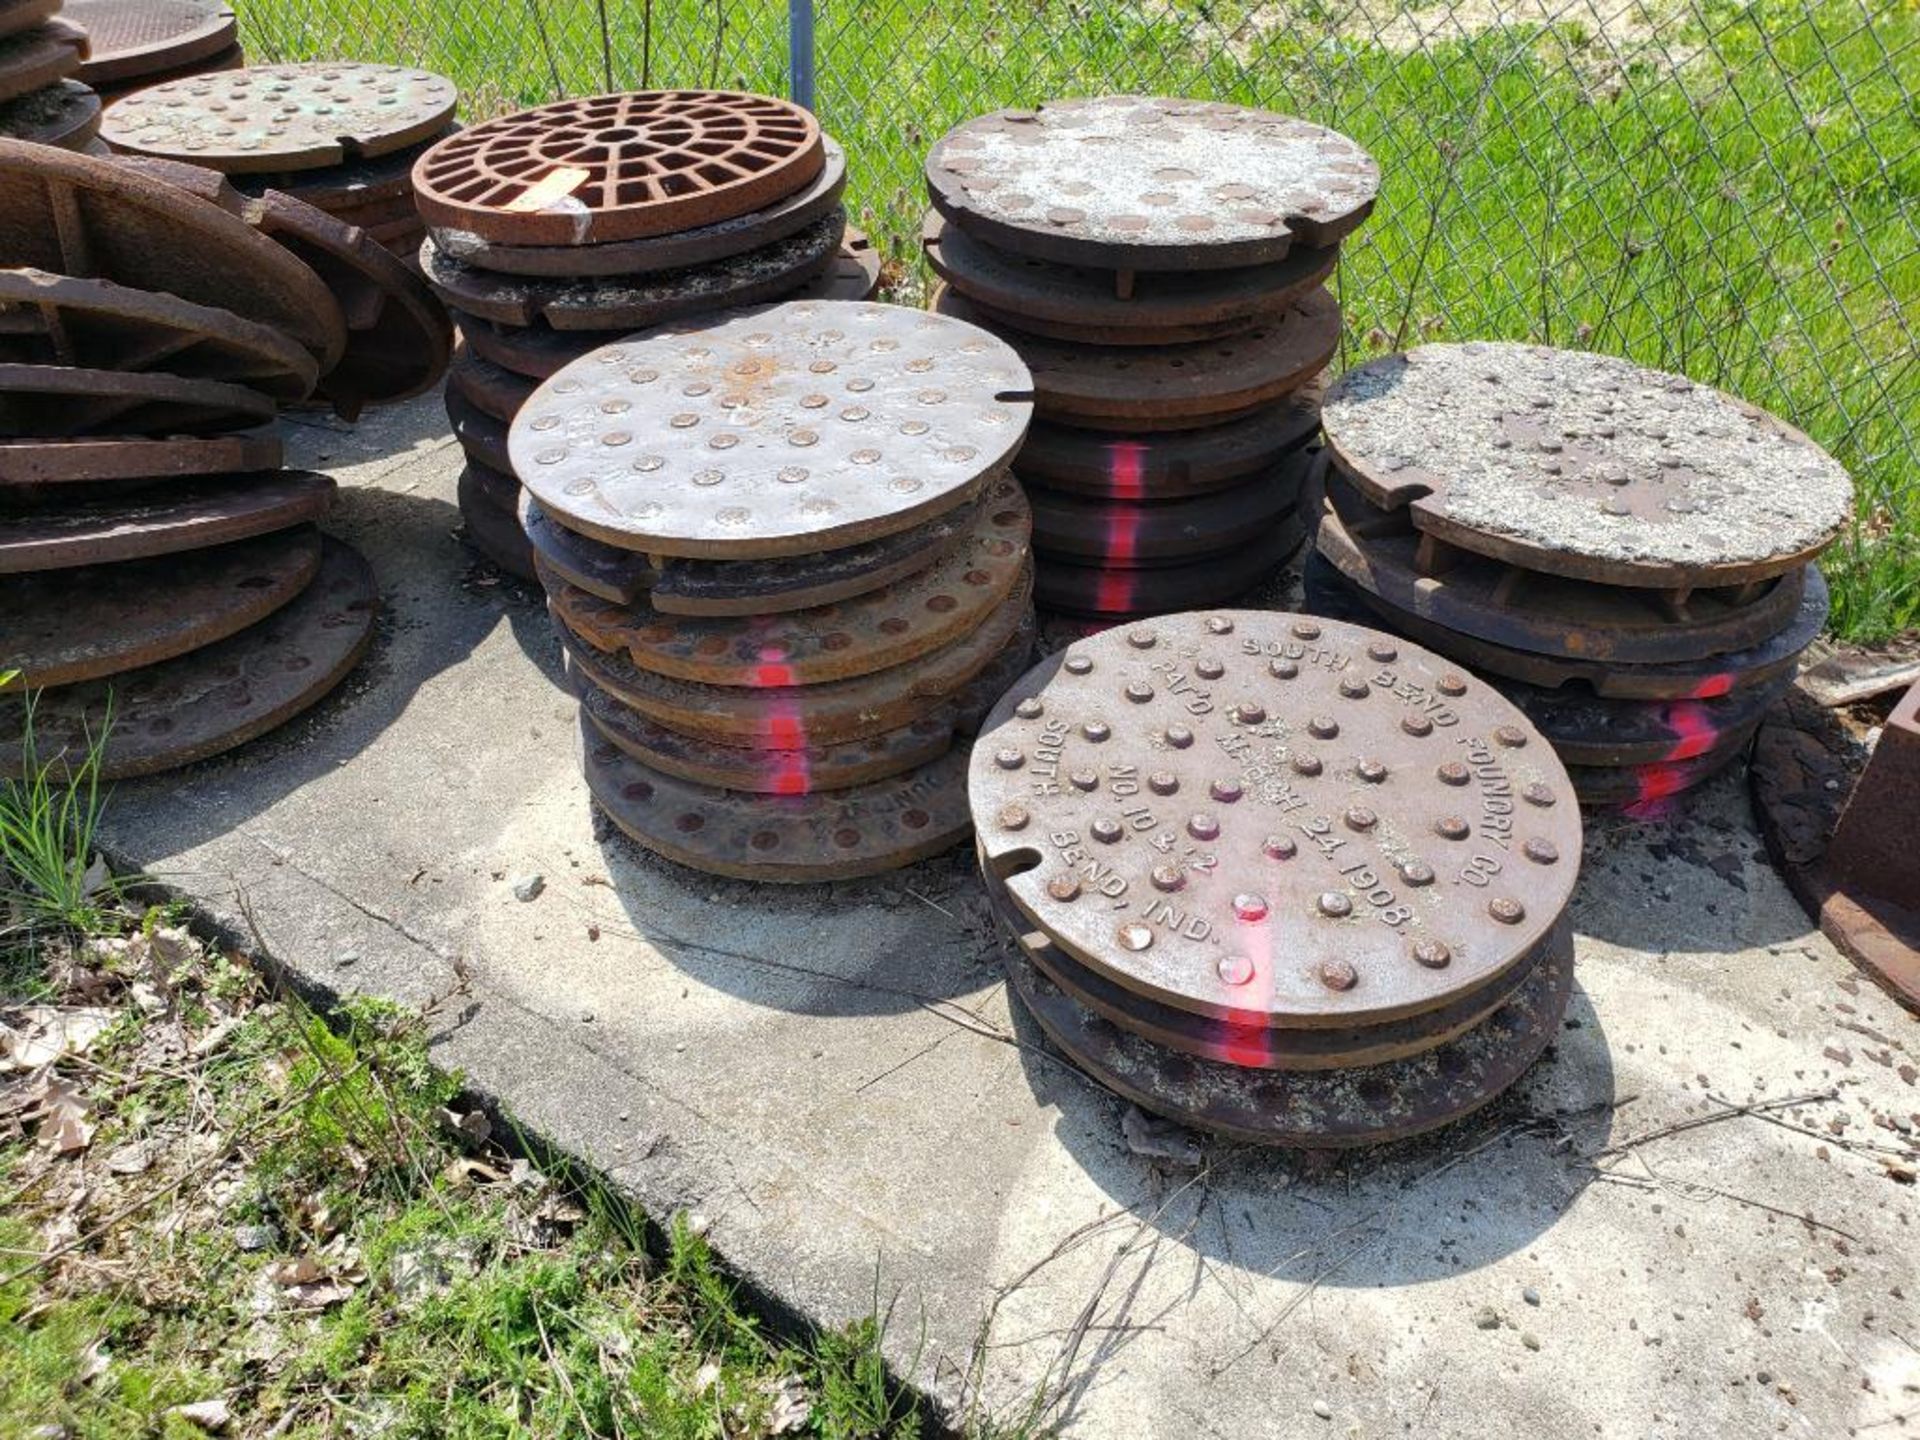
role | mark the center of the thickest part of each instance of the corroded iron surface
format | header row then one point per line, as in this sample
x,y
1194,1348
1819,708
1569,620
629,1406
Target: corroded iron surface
x,y
492,388
1127,534
1328,1109
64,626
95,324
701,245
1177,387
81,215
1249,814
188,516
65,114
492,527
1589,731
618,167
1646,791
212,699
1107,591
283,117
19,15
795,716
53,400
782,430
1138,182
133,39
827,835
636,301
878,630
27,463
1250,1042
1585,465
1079,303
35,59
1328,593
1172,463
1380,552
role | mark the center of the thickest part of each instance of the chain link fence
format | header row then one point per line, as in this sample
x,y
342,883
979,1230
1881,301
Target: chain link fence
x,y
1727,189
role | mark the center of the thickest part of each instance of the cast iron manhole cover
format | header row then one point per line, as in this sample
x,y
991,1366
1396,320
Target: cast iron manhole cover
x,y
18,15
1532,610
1328,593
702,245
48,400
1077,303
283,117
136,38
1107,590
783,430
1585,465
1587,730
64,626
1271,818
189,516
1169,463
95,324
213,699
636,301
1181,386
1311,1109
26,463
492,524
66,115
827,835
874,631
795,716
618,167
487,386
1128,534
34,59
80,215
1140,183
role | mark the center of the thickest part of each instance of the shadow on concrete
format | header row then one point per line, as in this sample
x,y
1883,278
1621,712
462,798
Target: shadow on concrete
x,y
1421,1209
1696,878
438,601
912,939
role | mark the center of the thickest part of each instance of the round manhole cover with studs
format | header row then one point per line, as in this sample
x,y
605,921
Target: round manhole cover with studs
x,y
1138,182
281,117
781,430
1277,819
1585,465
619,167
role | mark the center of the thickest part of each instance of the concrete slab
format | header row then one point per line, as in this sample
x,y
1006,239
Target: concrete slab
x,y
833,1077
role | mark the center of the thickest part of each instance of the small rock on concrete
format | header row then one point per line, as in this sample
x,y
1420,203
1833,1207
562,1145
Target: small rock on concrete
x,y
528,887
1486,1318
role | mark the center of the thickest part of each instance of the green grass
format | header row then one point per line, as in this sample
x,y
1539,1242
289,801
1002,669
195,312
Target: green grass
x,y
1725,189
49,815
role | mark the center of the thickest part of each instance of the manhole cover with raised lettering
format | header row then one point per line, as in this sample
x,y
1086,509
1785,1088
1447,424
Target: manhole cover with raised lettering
x,y
783,430
1273,819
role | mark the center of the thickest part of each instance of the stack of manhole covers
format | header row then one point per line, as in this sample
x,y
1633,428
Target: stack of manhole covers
x,y
158,568
140,43
559,229
1286,879
1161,267
1629,554
790,572
42,100
343,137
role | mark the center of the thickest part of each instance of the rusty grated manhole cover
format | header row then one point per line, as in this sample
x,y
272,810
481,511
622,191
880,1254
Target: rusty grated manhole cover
x,y
678,250
64,626
1274,819
618,167
783,430
283,117
1585,465
1143,183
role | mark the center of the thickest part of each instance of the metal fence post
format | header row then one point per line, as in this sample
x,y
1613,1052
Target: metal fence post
x,y
800,52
